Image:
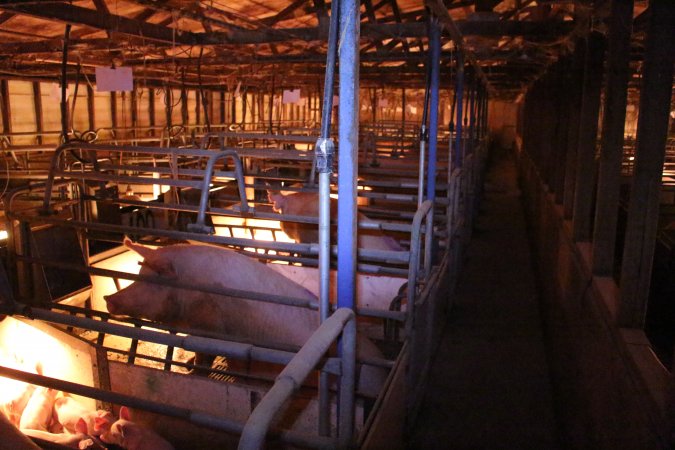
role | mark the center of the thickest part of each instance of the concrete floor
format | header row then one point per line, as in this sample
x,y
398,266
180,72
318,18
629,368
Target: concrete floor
x,y
489,385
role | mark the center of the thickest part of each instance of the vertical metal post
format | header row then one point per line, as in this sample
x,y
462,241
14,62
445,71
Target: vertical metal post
x,y
613,121
348,138
652,132
459,91
588,130
574,92
324,151
435,72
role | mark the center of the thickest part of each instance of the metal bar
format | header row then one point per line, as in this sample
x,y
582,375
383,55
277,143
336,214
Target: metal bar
x,y
64,86
613,121
435,60
348,155
459,92
208,174
291,378
196,417
588,131
652,133
323,162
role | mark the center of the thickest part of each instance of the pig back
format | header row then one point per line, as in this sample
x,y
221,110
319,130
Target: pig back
x,y
223,268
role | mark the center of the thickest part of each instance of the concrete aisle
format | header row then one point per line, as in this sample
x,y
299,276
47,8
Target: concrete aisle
x,y
489,384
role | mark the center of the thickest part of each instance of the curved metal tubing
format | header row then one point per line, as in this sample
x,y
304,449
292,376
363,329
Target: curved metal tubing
x,y
291,378
200,227
424,212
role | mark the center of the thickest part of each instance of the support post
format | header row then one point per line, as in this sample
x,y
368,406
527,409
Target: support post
x,y
459,90
614,117
573,117
435,49
588,131
652,132
348,138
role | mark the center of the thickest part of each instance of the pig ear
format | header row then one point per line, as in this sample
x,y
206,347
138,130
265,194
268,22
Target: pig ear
x,y
81,426
277,199
161,266
152,259
101,423
125,414
145,252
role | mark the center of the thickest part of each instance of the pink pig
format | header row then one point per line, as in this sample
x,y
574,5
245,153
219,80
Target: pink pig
x,y
132,436
38,412
307,204
79,439
69,413
248,319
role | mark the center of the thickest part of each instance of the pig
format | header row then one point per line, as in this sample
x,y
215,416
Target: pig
x,y
79,439
131,436
21,393
258,321
70,413
38,412
307,204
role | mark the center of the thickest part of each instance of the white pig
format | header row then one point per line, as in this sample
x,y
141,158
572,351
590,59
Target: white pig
x,y
69,412
16,394
38,412
79,439
132,436
248,319
307,204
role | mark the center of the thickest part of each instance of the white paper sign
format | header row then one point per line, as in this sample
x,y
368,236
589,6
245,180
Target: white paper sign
x,y
109,79
291,96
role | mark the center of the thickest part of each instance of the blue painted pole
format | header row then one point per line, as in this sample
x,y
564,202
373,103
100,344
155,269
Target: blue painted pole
x,y
435,44
459,91
348,143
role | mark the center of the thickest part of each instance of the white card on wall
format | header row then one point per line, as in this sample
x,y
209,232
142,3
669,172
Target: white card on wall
x,y
109,79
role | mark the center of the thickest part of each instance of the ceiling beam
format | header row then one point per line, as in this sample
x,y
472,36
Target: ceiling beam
x,y
82,16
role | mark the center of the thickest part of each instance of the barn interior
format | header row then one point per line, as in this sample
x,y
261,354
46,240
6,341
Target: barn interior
x,y
312,185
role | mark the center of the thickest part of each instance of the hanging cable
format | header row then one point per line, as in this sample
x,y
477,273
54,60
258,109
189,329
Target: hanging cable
x,y
202,94
64,85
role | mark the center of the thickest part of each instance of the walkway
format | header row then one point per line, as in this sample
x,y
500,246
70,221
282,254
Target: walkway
x,y
489,385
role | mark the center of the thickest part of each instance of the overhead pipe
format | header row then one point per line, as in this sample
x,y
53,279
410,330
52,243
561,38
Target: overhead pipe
x,y
323,163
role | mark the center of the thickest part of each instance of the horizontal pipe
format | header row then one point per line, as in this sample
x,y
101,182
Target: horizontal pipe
x,y
195,417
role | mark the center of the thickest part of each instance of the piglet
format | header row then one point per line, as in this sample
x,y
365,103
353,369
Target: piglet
x,y
69,412
38,412
131,436
79,439
307,204
17,394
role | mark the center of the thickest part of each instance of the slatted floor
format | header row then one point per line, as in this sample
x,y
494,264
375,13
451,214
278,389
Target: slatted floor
x,y
489,386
